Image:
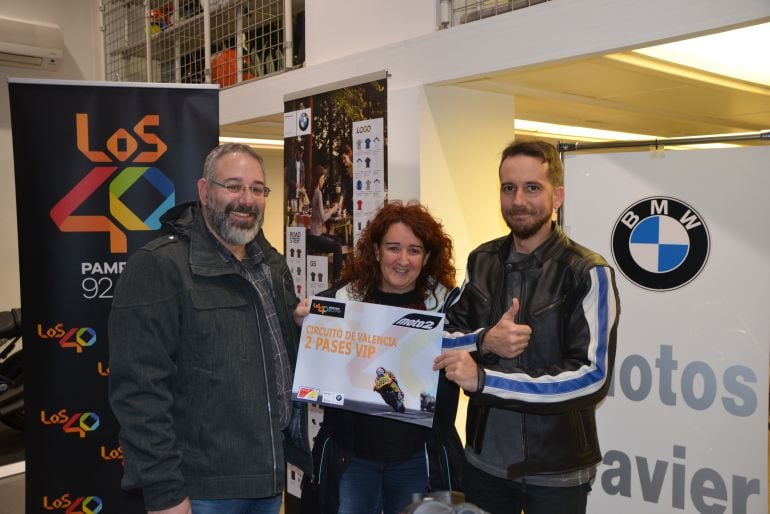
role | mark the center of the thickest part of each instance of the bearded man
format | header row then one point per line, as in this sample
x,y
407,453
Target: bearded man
x,y
203,340
544,313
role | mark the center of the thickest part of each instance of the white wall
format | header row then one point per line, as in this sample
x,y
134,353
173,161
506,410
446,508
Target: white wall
x,y
336,28
462,133
273,226
79,22
404,134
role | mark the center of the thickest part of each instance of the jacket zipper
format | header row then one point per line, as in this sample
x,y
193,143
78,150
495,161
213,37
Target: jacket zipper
x,y
269,403
522,292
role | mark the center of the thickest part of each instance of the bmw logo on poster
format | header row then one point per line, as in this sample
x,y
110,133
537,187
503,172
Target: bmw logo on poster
x,y
660,243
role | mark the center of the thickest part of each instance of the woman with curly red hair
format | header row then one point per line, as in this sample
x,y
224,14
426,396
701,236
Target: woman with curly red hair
x,y
402,249
403,258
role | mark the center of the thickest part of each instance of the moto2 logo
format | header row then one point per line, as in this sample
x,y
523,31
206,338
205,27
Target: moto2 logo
x,y
420,321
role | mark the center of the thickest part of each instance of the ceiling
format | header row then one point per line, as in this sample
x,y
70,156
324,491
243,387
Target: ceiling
x,y
268,127
625,92
629,92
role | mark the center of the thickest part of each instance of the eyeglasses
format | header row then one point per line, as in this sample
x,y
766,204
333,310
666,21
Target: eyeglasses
x,y
239,189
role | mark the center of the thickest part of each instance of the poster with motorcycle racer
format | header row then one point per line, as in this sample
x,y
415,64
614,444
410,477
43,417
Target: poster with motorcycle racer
x,y
369,358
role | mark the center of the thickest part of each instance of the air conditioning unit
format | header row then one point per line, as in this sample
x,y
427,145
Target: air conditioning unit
x,y
30,45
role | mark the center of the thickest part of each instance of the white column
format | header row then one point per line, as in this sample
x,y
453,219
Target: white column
x,y
462,133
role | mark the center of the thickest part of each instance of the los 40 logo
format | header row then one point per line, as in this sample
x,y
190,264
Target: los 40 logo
x,y
121,147
78,423
81,505
77,338
114,454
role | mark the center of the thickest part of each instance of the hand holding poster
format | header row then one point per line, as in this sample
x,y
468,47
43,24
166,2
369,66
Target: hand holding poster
x,y
368,358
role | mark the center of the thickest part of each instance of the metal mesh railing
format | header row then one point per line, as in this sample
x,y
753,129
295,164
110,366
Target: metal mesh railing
x,y
125,51
166,41
464,11
246,40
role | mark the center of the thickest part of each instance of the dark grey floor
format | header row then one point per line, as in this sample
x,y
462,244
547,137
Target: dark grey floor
x,y
11,487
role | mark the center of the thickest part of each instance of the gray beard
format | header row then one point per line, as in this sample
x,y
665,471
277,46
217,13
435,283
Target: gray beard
x,y
230,232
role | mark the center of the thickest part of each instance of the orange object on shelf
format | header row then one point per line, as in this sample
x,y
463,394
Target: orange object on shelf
x,y
224,68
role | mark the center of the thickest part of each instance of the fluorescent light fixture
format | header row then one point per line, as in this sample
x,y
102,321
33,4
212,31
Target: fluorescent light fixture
x,y
257,143
555,131
570,133
735,53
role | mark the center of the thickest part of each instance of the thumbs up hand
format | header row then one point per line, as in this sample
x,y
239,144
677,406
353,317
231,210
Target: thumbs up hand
x,y
511,313
507,338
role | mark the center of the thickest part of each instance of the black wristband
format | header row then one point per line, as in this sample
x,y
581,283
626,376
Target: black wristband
x,y
480,340
481,378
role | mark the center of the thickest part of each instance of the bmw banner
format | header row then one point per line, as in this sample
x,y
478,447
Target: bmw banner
x,y
96,165
683,428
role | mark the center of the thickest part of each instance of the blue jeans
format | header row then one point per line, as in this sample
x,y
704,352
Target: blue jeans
x,y
500,496
371,487
270,505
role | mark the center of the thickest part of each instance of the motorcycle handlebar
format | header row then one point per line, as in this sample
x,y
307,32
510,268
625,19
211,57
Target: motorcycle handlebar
x,y
10,323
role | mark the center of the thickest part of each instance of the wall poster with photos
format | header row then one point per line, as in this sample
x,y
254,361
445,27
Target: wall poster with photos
x,y
335,170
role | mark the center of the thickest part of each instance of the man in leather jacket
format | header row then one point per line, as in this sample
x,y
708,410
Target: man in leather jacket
x,y
203,341
539,313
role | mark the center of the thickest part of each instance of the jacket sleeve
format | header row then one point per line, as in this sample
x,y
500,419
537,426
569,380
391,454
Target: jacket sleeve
x,y
581,377
291,301
458,311
143,336
468,317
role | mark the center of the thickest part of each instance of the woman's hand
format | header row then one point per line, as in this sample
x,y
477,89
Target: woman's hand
x,y
302,310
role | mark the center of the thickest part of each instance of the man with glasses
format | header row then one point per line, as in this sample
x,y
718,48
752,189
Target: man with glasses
x,y
203,342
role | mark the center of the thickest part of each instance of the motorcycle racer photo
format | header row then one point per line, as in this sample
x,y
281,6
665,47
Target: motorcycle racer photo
x,y
386,384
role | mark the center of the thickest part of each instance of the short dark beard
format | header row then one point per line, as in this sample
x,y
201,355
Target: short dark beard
x,y
231,233
527,231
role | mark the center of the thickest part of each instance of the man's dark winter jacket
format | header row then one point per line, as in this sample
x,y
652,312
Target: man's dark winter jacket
x,y
191,373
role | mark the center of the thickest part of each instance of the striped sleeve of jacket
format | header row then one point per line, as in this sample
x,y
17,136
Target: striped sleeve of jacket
x,y
460,341
573,379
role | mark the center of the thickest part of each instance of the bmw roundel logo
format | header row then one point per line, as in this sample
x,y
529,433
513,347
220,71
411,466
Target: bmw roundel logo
x,y
304,121
660,243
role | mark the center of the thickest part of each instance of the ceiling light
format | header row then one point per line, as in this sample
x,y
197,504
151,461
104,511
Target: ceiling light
x,y
734,53
256,143
555,131
572,134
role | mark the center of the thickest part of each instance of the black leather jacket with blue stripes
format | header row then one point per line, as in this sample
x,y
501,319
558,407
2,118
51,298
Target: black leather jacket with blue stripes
x,y
568,297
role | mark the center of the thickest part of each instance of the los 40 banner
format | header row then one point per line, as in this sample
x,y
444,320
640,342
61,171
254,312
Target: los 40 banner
x,y
96,165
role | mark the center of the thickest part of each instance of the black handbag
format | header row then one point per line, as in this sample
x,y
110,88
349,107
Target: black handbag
x,y
320,489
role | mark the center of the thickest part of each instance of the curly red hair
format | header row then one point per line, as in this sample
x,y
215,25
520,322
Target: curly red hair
x,y
363,271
